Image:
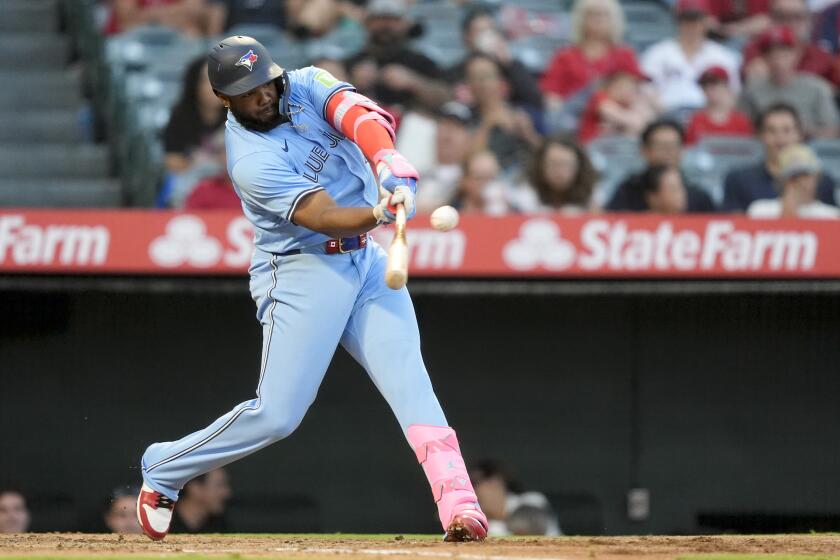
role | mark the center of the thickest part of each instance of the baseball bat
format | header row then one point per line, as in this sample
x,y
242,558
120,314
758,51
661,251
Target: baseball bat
x,y
396,274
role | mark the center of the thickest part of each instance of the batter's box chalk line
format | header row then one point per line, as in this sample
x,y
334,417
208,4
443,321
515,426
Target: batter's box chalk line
x,y
403,552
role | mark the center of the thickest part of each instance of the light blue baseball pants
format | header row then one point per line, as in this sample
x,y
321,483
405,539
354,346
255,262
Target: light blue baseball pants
x,y
307,304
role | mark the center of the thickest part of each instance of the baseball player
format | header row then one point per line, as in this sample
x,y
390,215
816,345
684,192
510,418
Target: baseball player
x,y
307,156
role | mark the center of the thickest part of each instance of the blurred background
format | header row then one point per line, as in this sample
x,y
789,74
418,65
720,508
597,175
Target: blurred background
x,y
678,401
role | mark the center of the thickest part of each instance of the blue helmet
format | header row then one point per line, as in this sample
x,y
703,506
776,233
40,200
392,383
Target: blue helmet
x,y
239,64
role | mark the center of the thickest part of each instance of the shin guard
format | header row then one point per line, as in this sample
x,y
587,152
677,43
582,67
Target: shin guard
x,y
439,454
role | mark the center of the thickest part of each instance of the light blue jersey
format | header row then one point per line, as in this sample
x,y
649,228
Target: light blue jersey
x,y
308,302
273,171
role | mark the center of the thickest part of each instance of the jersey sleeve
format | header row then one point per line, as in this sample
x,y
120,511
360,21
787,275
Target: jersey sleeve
x,y
270,183
321,86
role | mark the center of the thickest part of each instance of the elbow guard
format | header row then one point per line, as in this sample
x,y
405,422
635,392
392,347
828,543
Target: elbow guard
x,y
342,113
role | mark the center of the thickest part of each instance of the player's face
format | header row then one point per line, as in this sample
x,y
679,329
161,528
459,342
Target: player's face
x,y
258,109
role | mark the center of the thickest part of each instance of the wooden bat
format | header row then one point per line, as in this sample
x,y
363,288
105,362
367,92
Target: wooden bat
x,y
396,274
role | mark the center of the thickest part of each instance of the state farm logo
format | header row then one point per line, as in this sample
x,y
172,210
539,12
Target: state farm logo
x,y
185,242
539,245
428,248
716,245
25,244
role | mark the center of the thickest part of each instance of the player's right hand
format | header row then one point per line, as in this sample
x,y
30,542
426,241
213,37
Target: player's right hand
x,y
386,210
393,170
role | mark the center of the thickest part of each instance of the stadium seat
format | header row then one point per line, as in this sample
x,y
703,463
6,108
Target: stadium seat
x,y
144,46
60,192
342,43
536,51
29,16
647,23
707,164
25,51
263,32
52,125
54,160
613,158
828,150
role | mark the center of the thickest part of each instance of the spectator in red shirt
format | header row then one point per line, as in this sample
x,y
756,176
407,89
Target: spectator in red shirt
x,y
619,108
213,193
719,117
597,31
812,58
191,17
740,18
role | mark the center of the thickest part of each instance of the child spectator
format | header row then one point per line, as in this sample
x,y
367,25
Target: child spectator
x,y
798,176
719,117
597,32
480,190
810,95
120,514
674,64
663,190
561,177
14,515
619,108
188,137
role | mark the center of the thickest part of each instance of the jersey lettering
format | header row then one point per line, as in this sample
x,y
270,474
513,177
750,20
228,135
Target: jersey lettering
x,y
315,162
333,138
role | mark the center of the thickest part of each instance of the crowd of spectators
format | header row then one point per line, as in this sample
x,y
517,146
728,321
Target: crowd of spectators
x,y
201,508
491,134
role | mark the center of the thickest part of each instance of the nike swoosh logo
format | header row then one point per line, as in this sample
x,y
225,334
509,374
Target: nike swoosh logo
x,y
285,146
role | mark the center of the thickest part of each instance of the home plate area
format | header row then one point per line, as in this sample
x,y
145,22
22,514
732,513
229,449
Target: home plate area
x,y
410,547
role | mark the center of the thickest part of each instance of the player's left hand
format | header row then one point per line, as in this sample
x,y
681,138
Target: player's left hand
x,y
393,171
386,210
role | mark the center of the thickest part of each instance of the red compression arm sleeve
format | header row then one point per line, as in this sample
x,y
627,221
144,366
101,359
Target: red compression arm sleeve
x,y
370,137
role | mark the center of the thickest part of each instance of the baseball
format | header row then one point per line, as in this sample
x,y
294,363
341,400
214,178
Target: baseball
x,y
444,218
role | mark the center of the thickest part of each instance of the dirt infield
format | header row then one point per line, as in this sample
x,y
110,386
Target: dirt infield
x,y
63,545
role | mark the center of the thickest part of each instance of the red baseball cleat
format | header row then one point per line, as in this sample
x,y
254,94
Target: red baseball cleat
x,y
154,512
467,525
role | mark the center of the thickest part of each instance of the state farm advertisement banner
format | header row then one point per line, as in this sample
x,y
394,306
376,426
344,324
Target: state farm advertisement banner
x,y
624,246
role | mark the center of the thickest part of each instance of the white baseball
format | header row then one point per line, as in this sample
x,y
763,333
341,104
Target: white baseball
x,y
444,218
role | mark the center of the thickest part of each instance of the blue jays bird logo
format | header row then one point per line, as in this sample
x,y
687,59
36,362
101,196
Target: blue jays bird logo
x,y
247,61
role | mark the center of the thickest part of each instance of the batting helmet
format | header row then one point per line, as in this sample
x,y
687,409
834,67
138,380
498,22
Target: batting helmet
x,y
239,64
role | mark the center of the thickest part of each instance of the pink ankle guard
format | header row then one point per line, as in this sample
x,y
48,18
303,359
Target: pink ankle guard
x,y
438,452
